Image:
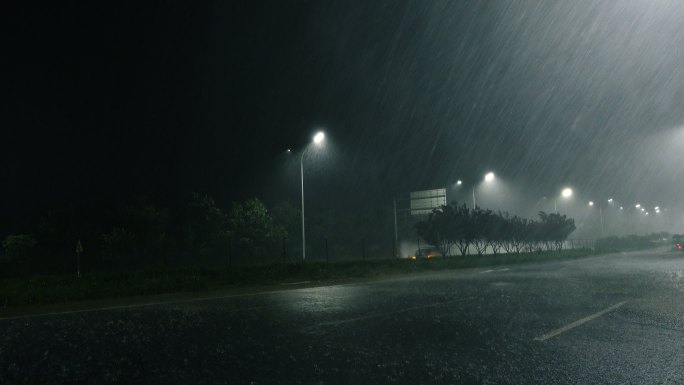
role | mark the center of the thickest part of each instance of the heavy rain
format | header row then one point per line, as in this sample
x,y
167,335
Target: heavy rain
x,y
343,192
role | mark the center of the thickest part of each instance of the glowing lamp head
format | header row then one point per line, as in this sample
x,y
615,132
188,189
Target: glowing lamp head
x,y
610,200
459,182
591,203
489,177
318,138
638,205
566,193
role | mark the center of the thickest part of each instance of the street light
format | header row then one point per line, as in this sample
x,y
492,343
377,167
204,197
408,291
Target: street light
x,y
591,204
565,193
318,138
489,177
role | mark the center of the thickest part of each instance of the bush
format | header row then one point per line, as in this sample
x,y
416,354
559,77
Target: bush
x,y
630,242
119,242
19,247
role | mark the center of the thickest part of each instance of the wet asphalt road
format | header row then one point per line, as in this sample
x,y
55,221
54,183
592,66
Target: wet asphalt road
x,y
470,326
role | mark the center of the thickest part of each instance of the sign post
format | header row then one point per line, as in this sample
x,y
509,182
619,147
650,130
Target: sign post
x,y
79,250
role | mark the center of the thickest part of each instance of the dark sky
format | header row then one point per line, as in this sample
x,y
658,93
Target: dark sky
x,y
107,101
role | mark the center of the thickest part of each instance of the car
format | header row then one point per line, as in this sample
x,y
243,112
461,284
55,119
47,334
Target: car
x,y
426,252
678,242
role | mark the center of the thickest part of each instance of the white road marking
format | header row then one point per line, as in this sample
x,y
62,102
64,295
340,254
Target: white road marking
x,y
504,269
486,271
577,323
295,283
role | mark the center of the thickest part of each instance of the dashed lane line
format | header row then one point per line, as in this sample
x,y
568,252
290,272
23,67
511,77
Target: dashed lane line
x,y
577,323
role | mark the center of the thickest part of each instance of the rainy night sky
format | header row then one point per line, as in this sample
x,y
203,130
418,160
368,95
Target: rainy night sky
x,y
107,101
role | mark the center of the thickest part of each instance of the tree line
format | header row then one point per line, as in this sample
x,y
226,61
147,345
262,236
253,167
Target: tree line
x,y
457,226
199,231
141,233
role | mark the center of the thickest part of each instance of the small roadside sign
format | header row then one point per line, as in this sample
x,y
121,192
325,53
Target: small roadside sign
x,y
79,250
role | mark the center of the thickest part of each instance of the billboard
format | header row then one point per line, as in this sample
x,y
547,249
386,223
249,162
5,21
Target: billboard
x,y
422,202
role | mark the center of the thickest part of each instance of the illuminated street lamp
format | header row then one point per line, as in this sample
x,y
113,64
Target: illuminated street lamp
x,y
565,193
591,204
638,205
610,200
318,138
489,177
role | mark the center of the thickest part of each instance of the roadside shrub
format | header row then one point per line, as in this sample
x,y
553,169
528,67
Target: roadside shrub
x,y
19,247
117,243
629,242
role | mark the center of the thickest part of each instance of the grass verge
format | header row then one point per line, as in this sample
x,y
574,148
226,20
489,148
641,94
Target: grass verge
x,y
104,285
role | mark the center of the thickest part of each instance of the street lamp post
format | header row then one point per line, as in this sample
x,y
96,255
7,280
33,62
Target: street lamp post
x,y
591,203
318,138
489,177
566,193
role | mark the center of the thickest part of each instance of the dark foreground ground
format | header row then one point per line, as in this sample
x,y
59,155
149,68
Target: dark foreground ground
x,y
514,325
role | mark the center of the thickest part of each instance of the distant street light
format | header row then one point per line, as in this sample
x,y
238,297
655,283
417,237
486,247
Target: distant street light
x,y
459,182
489,177
638,205
318,138
566,193
610,200
591,204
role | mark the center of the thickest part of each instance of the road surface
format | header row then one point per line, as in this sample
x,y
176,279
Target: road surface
x,y
603,320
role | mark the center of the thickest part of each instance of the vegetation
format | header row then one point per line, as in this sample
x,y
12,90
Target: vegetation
x,y
632,242
141,235
102,285
457,226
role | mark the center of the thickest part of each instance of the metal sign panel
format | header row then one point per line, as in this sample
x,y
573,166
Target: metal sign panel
x,y
422,202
